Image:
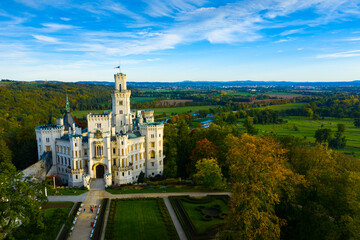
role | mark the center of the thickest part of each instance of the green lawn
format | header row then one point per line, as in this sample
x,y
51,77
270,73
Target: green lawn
x,y
83,113
307,128
60,192
139,219
284,106
54,216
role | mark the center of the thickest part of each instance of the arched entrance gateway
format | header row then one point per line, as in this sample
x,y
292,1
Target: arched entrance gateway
x,y
100,170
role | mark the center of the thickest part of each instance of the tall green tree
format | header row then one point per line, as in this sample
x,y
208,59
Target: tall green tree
x,y
21,199
183,147
208,173
170,151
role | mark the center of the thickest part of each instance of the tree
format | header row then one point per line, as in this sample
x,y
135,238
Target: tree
x,y
141,177
341,127
257,172
183,147
170,151
5,153
330,199
203,149
249,125
323,135
208,173
21,200
357,122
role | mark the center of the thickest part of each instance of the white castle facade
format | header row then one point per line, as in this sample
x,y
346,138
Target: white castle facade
x,y
116,145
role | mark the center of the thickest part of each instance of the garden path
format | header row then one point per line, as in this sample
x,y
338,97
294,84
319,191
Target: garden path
x,y
175,220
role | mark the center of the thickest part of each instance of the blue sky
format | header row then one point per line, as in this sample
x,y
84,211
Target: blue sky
x,y
176,40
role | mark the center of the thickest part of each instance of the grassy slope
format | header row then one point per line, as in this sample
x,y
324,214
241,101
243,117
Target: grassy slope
x,y
307,128
284,106
139,219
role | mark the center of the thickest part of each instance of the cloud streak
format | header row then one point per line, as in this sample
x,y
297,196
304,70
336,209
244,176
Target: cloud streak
x,y
347,54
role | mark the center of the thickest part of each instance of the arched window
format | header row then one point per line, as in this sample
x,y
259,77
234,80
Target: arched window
x,y
159,153
152,154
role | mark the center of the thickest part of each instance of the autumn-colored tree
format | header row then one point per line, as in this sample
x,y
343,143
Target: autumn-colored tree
x,y
203,149
208,173
257,172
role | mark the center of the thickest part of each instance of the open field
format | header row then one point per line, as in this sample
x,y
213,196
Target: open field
x,y
141,99
307,128
137,219
284,106
55,214
60,192
157,111
180,110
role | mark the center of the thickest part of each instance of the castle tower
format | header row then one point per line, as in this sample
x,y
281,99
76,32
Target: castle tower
x,y
121,105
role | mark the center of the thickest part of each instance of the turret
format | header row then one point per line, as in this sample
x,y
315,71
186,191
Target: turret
x,y
120,82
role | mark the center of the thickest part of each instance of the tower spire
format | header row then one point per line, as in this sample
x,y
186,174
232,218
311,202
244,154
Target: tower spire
x,y
67,104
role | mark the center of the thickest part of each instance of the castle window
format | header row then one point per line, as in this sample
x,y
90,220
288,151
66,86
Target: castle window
x,y
152,135
80,153
120,102
75,153
132,158
98,125
85,152
136,166
75,144
62,161
76,176
152,174
122,151
123,174
140,165
152,154
129,173
159,143
57,148
114,150
159,153
135,146
121,112
159,162
152,144
48,148
143,155
39,139
117,173
136,157
40,148
132,147
114,162
47,140
77,166
152,164
143,145
122,142
123,163
140,156
159,134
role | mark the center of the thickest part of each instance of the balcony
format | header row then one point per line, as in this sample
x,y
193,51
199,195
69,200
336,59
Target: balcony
x,y
123,169
76,171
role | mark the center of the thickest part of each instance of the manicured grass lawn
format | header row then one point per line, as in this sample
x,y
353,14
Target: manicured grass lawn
x,y
307,128
196,217
55,214
139,219
284,106
59,192
142,99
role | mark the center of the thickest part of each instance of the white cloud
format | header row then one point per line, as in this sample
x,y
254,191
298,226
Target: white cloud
x,y
353,53
53,27
292,31
46,38
65,19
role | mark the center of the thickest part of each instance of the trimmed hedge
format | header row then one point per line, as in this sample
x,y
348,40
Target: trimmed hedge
x,y
100,220
185,220
64,234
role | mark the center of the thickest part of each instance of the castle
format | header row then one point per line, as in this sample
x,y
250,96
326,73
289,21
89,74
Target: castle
x,y
116,146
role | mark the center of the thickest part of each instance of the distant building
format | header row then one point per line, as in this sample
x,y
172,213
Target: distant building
x,y
116,146
206,124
